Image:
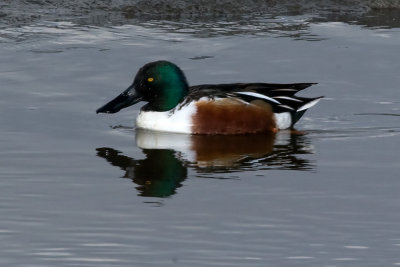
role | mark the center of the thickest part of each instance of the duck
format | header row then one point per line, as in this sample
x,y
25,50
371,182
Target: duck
x,y
210,109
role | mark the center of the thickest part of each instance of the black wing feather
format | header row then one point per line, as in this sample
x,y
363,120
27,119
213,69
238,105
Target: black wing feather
x,y
268,89
283,93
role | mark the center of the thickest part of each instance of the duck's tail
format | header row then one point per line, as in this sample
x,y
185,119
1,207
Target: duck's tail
x,y
309,102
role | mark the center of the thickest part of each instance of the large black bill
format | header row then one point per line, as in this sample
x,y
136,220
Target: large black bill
x,y
126,99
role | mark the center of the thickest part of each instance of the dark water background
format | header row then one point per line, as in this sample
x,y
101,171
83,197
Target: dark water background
x,y
80,189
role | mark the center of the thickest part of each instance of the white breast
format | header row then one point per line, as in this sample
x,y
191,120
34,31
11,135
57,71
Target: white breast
x,y
178,120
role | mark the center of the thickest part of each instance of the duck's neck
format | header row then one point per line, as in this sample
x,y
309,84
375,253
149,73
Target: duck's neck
x,y
173,90
170,98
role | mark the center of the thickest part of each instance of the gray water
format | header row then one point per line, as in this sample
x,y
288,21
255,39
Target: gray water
x,y
80,189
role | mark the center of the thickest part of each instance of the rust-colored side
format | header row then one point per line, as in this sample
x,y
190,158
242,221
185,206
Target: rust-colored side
x,y
231,116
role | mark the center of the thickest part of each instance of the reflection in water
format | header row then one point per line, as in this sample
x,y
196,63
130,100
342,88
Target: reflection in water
x,y
158,175
256,152
169,156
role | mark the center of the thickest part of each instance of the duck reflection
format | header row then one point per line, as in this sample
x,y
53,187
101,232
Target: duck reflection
x,y
158,175
169,156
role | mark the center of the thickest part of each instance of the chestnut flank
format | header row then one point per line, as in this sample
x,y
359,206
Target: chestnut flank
x,y
232,116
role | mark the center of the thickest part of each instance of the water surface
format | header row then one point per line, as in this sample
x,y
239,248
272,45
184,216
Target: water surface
x,y
92,190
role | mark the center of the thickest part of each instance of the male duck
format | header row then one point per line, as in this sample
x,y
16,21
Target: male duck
x,y
237,108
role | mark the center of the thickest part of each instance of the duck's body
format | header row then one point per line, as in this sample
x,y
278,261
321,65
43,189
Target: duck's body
x,y
238,108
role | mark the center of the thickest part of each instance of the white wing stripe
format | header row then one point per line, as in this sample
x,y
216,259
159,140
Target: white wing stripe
x,y
288,98
259,96
287,107
309,104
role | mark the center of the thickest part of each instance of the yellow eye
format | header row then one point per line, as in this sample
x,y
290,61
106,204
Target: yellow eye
x,y
150,79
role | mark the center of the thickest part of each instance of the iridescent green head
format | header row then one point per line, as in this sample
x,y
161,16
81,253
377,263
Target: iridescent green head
x,y
161,83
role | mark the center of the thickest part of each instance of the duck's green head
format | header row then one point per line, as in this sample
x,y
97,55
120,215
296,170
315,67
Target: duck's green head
x,y
161,83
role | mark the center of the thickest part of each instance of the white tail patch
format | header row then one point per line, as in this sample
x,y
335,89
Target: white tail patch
x,y
259,96
283,120
309,104
288,98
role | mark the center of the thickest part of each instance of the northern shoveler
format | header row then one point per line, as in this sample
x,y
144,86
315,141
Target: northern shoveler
x,y
237,108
